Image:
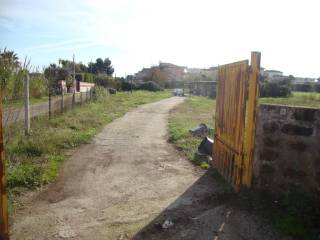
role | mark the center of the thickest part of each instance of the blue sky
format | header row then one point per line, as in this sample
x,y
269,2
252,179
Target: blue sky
x,y
139,33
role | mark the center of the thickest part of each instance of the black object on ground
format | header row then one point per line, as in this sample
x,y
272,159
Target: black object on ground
x,y
206,146
201,130
112,91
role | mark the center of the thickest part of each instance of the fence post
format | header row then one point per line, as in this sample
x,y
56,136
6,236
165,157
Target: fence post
x,y
49,102
80,98
62,100
183,89
73,98
253,94
27,105
4,223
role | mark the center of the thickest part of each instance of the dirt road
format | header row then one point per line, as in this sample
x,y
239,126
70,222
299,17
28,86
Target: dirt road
x,y
127,183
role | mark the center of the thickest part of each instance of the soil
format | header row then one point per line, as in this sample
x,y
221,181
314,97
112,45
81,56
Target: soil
x,y
130,183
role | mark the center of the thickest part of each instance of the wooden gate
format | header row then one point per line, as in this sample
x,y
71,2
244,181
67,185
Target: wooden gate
x,y
236,101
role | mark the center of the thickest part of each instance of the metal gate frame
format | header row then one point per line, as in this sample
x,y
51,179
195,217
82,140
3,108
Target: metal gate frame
x,y
236,102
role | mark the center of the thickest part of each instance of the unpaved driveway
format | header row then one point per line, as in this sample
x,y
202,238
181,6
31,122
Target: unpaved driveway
x,y
126,183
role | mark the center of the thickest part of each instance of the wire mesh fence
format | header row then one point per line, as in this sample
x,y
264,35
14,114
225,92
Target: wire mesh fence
x,y
15,112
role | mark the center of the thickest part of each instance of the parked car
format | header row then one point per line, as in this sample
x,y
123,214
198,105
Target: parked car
x,y
178,92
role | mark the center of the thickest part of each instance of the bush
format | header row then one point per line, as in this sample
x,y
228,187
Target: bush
x,y
149,86
99,93
38,86
303,87
127,86
107,81
275,89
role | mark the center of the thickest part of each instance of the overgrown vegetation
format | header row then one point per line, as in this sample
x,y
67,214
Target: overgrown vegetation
x,y
148,86
191,113
34,160
281,88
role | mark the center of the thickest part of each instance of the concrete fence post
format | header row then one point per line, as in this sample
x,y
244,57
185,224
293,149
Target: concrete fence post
x,y
73,98
26,105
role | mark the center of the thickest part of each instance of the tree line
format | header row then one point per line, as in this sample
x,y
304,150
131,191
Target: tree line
x,y
13,71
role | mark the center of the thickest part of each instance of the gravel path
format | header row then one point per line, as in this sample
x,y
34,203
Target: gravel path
x,y
126,184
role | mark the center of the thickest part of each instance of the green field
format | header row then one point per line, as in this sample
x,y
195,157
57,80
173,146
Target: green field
x,y
34,160
306,99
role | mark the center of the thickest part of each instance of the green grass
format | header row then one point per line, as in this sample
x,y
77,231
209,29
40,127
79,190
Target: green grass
x,y
306,99
20,102
34,160
189,114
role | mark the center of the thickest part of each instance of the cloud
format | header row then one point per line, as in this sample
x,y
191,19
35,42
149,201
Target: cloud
x,y
194,33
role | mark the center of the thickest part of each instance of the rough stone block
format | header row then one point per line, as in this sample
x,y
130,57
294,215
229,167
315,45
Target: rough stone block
x,y
268,155
305,114
317,162
270,127
292,129
294,174
267,169
271,141
298,146
318,178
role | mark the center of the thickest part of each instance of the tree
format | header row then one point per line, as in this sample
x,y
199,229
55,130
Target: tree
x,y
281,88
9,59
101,67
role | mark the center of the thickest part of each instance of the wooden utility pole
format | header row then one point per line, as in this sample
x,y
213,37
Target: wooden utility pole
x,y
27,105
4,223
74,84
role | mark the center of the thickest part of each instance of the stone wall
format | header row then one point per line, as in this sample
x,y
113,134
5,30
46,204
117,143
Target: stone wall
x,y
287,151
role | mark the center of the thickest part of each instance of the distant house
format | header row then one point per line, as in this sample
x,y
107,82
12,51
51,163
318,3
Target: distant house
x,y
172,72
62,86
165,74
143,74
271,74
80,86
84,86
301,80
201,74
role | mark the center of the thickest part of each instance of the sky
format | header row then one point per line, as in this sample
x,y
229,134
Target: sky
x,y
139,33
